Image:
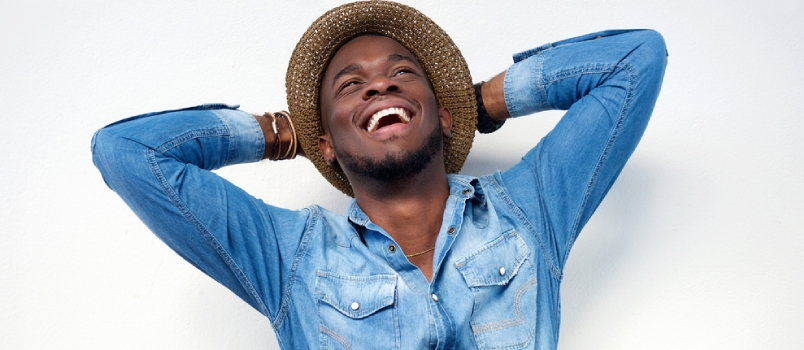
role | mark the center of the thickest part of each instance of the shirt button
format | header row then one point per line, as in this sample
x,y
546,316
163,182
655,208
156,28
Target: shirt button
x,y
435,297
451,231
502,271
355,305
391,248
467,191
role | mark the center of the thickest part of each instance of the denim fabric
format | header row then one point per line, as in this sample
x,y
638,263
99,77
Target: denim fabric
x,y
503,242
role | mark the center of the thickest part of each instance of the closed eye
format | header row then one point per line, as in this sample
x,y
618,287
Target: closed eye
x,y
346,85
406,72
403,71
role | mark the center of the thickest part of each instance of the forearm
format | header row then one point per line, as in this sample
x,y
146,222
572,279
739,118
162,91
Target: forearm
x,y
555,76
209,137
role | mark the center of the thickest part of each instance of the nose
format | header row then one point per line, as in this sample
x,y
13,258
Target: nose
x,y
380,85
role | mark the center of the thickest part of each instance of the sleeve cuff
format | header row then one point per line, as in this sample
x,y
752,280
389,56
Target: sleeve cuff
x,y
524,89
247,142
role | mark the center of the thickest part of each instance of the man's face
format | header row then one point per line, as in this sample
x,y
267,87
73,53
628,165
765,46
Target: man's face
x,y
380,115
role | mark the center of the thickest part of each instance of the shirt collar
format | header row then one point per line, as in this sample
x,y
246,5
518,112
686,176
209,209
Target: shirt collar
x,y
459,185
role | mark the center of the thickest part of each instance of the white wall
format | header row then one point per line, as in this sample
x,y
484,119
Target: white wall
x,y
698,246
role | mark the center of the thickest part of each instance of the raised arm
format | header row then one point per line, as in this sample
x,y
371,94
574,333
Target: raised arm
x,y
160,163
608,82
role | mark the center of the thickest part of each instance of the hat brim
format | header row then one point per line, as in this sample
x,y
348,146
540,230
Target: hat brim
x,y
435,50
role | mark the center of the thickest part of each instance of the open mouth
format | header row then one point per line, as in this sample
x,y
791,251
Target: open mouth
x,y
386,117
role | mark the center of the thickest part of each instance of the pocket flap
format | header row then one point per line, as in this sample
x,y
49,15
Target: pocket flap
x,y
356,296
494,263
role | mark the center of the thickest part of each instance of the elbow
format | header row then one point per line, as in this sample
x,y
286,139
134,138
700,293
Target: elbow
x,y
114,156
645,65
102,147
650,58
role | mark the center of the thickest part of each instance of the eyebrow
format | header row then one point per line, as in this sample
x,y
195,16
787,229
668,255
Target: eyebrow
x,y
396,58
355,66
346,70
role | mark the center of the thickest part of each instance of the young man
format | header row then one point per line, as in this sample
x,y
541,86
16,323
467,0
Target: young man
x,y
382,103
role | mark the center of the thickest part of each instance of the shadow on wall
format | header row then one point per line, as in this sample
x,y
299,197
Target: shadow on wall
x,y
629,242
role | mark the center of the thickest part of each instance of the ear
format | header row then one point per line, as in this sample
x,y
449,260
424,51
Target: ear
x,y
445,116
325,145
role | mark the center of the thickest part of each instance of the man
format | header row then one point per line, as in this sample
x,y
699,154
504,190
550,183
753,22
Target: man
x,y
383,105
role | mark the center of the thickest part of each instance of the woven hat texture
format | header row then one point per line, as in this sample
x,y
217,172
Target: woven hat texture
x,y
442,61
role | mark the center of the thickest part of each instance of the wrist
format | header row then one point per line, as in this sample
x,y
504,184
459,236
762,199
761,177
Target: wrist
x,y
280,136
494,98
485,123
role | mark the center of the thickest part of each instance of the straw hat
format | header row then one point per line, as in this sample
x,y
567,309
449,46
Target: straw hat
x,y
441,59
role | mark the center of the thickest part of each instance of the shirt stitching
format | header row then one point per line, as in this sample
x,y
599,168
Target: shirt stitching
x,y
628,69
517,212
314,218
236,270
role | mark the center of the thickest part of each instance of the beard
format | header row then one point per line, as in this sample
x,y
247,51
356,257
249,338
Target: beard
x,y
394,167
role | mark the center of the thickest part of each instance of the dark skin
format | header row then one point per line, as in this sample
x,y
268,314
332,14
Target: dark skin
x,y
371,74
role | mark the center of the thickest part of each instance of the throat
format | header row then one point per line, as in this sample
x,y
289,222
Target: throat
x,y
413,221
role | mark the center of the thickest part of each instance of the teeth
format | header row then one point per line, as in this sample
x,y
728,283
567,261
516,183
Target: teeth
x,y
375,119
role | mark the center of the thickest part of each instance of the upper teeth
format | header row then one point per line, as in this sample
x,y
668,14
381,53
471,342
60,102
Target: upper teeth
x,y
375,119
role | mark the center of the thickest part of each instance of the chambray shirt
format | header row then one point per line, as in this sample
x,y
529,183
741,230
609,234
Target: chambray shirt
x,y
331,281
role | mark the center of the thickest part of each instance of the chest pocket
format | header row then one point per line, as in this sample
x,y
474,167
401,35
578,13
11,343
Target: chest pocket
x,y
502,279
356,311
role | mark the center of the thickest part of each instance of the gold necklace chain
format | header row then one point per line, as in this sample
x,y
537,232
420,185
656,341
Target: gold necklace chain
x,y
420,253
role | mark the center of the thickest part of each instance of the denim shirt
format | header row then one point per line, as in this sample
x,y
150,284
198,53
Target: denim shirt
x,y
331,281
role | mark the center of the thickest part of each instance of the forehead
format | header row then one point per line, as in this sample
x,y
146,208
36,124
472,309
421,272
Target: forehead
x,y
366,48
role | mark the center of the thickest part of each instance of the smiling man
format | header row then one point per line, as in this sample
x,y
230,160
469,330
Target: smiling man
x,y
383,104
384,127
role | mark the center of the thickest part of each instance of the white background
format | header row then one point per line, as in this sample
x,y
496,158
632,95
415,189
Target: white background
x,y
698,245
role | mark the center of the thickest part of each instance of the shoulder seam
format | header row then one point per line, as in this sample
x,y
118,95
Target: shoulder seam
x,y
509,202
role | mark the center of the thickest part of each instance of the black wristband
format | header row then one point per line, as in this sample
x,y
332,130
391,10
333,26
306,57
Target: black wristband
x,y
484,123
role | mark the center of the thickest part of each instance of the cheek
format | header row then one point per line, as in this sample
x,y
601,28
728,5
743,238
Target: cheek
x,y
340,117
331,116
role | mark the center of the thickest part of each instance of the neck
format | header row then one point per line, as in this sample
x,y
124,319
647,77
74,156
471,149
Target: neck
x,y
411,211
